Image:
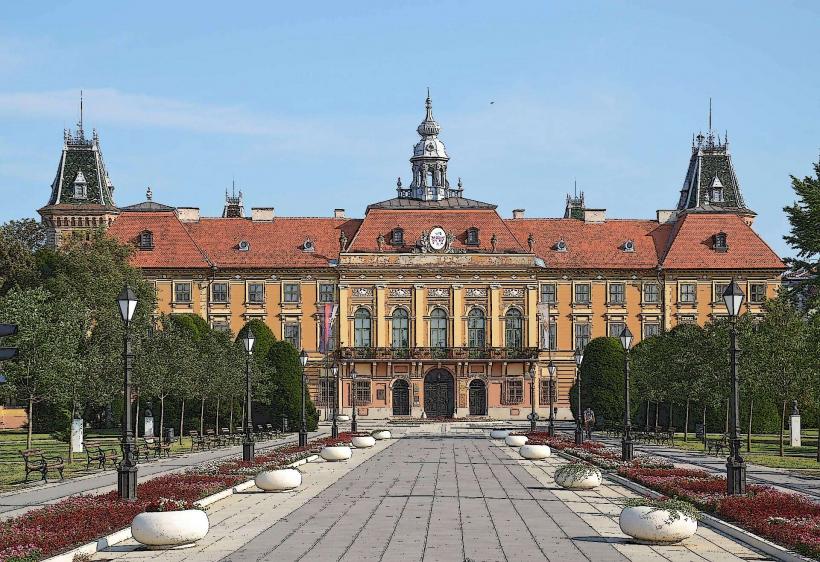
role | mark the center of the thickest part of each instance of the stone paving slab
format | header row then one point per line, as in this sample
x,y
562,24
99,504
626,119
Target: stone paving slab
x,y
439,492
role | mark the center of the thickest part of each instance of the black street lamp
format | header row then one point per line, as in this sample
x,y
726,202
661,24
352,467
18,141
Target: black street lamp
x,y
247,437
735,465
579,428
353,374
334,431
627,446
127,471
551,371
303,359
533,417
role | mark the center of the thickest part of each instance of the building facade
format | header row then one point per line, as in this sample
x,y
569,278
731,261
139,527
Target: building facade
x,y
442,307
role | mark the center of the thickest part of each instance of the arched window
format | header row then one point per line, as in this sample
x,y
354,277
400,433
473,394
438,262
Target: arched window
x,y
146,240
361,328
476,328
438,328
401,329
513,329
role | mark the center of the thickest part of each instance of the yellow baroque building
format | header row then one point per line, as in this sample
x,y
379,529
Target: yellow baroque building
x,y
441,307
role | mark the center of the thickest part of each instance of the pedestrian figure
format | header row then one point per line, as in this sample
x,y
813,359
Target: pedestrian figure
x,y
589,421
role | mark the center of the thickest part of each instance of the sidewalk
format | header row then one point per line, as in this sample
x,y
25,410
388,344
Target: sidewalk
x,y
19,501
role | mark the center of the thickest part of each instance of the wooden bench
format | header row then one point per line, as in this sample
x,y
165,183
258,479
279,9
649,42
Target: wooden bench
x,y
95,452
156,446
214,440
262,433
197,440
717,446
36,461
271,430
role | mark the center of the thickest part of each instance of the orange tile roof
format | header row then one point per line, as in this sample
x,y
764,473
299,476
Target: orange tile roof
x,y
691,245
272,244
414,221
173,245
594,245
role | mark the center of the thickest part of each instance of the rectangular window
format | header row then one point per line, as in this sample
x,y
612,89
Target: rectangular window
x,y
256,293
182,292
291,334
290,292
616,293
720,288
582,293
219,292
515,391
688,292
362,389
327,292
327,390
757,293
651,329
650,293
547,386
548,294
581,335
221,325
615,329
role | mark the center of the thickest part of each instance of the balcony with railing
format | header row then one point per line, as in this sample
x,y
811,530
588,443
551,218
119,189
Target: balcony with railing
x,y
439,353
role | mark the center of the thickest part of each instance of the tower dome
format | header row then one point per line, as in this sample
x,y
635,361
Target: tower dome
x,y
429,160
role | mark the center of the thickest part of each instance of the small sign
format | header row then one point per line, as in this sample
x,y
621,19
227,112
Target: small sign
x,y
438,238
76,436
699,433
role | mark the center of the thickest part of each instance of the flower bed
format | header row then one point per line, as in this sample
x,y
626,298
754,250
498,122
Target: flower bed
x,y
74,521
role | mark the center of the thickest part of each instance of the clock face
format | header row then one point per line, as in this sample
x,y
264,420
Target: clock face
x,y
431,147
438,238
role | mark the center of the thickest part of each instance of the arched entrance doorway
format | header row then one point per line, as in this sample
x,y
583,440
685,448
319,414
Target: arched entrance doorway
x,y
401,398
439,394
478,398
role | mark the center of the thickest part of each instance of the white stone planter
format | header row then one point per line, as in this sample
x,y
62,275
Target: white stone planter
x,y
278,480
170,529
338,453
363,441
515,440
499,433
342,418
586,481
650,525
382,434
534,452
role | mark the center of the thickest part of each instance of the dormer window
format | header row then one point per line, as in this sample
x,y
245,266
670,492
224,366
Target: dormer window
x,y
80,186
398,237
716,191
308,245
472,236
628,246
146,240
719,242
243,246
560,246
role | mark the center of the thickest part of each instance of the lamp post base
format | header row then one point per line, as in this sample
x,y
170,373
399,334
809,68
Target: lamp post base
x,y
334,429
127,482
354,427
579,436
302,438
551,429
627,450
248,450
735,477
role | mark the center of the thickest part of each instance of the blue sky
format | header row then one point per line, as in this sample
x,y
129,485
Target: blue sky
x,y
311,106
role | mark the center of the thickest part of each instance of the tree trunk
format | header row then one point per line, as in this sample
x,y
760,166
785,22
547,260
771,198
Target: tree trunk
x,y
703,419
646,425
70,428
686,423
137,418
749,433
670,416
181,420
30,421
657,406
726,425
216,428
230,421
202,417
782,425
161,417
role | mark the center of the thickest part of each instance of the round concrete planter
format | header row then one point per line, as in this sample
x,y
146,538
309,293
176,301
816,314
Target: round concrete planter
x,y
382,434
572,480
654,526
499,433
170,529
342,418
278,480
516,440
336,453
363,441
534,452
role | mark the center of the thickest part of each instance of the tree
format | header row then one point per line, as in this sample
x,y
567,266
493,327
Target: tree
x,y
602,379
20,242
284,358
804,218
195,364
50,331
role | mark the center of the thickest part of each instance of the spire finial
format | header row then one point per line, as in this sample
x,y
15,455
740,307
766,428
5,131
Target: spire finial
x,y
710,114
148,193
575,182
80,124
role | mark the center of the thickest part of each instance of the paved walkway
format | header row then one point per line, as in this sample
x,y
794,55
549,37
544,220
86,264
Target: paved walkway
x,y
19,501
440,492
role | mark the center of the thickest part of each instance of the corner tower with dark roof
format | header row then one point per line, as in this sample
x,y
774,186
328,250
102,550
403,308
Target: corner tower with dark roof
x,y
82,193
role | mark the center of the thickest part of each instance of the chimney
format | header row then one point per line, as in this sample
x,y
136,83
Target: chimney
x,y
666,216
339,214
595,216
188,214
262,214
518,213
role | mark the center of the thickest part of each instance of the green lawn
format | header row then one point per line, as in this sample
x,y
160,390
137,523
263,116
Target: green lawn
x,y
12,472
765,450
